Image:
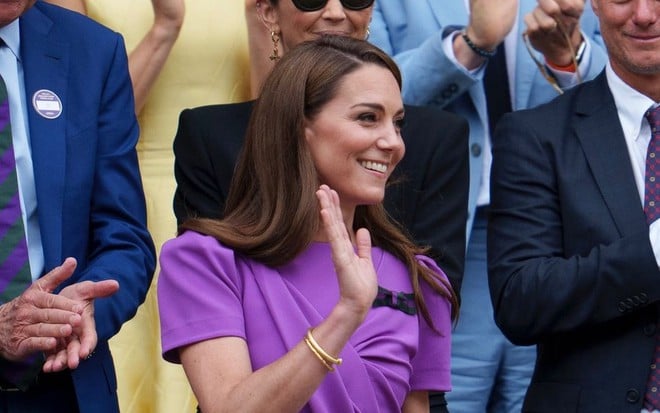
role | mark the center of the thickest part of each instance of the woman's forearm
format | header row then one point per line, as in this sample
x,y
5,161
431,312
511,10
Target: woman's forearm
x,y
223,381
146,61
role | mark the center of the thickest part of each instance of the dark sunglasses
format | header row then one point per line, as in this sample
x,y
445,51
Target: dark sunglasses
x,y
315,5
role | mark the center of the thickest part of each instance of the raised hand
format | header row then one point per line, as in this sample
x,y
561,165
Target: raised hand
x,y
549,26
490,21
358,283
37,319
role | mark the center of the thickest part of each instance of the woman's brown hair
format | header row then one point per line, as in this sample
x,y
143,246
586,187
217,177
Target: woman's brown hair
x,y
272,213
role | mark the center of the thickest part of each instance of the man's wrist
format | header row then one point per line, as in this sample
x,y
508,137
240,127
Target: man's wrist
x,y
575,60
487,53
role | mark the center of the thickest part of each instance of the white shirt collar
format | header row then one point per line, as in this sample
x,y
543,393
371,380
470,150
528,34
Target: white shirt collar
x,y
630,104
11,34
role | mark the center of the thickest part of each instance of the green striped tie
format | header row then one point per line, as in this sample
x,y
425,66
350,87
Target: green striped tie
x,y
15,274
14,265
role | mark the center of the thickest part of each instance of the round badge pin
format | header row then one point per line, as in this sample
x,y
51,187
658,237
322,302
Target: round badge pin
x,y
47,103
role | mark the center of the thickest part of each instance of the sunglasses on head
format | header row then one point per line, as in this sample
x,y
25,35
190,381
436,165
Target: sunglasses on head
x,y
315,5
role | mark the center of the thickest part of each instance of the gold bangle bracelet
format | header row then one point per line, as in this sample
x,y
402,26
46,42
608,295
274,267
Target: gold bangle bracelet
x,y
327,357
318,356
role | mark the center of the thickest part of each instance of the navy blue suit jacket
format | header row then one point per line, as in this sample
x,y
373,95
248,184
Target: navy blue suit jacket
x,y
571,266
89,192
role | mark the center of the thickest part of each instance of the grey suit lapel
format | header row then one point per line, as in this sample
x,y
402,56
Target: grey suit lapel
x,y
599,131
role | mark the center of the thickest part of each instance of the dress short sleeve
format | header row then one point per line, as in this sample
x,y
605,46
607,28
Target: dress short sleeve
x,y
431,364
199,293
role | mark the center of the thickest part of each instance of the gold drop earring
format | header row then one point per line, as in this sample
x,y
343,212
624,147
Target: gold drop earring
x,y
275,38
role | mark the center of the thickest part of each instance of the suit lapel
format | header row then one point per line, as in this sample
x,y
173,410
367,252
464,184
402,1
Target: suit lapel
x,y
45,67
599,131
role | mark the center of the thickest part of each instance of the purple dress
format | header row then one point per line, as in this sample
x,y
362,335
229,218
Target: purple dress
x,y
205,291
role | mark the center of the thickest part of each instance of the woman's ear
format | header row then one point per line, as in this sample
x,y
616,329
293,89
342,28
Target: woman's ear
x,y
309,132
268,15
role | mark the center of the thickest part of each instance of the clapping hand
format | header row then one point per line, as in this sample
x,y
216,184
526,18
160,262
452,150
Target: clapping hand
x,y
35,321
83,338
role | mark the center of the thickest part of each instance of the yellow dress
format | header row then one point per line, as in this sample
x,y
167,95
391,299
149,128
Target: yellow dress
x,y
208,64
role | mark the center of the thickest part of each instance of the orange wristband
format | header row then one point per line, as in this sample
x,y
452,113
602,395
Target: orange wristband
x,y
572,67
568,68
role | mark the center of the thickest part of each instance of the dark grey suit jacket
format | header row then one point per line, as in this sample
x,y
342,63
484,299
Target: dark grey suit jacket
x,y
570,262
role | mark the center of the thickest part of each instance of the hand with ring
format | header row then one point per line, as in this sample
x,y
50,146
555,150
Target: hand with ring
x,y
80,344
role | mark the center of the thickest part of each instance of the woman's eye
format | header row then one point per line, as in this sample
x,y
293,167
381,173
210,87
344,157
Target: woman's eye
x,y
400,123
367,117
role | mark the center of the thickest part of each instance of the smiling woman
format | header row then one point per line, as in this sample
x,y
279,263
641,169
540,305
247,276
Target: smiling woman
x,y
430,197
292,283
297,21
355,141
428,191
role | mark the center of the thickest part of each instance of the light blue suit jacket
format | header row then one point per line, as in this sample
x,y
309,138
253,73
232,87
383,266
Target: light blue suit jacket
x,y
89,192
412,32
